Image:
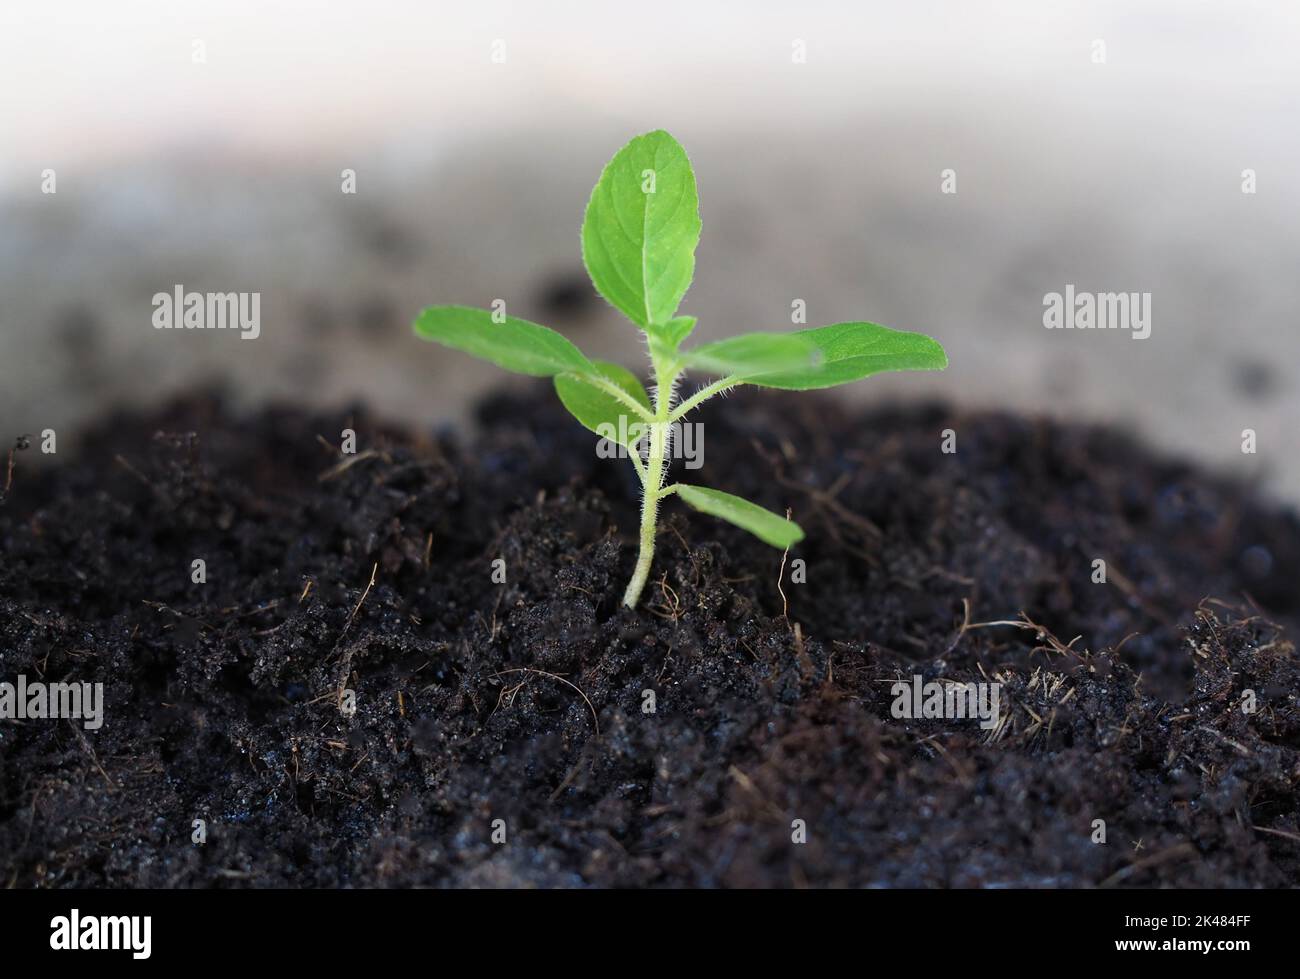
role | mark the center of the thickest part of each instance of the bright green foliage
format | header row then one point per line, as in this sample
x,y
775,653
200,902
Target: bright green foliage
x,y
599,409
638,242
641,229
763,524
514,344
819,358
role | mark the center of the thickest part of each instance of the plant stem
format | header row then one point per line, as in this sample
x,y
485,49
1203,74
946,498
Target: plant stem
x,y
654,478
704,394
614,391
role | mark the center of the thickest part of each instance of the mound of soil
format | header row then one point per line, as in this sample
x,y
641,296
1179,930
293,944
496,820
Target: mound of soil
x,y
674,745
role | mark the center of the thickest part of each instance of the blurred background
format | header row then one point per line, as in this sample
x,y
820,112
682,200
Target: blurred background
x,y
1098,144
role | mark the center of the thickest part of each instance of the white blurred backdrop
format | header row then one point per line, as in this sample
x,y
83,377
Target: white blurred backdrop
x,y
819,180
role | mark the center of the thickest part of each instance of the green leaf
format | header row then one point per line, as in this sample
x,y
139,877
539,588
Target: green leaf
x,y
847,352
600,411
676,330
751,354
641,229
665,338
514,344
767,526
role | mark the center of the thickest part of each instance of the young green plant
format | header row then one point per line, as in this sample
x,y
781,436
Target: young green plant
x,y
638,242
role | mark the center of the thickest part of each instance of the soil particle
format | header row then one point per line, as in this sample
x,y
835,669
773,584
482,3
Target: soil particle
x,y
674,745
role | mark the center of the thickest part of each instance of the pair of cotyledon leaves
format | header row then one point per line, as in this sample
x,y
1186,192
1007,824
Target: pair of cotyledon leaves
x,y
638,242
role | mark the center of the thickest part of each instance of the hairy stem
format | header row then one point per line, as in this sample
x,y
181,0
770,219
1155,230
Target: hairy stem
x,y
614,391
651,485
637,464
703,395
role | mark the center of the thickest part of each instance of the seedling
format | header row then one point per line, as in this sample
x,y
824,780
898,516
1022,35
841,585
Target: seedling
x,y
638,243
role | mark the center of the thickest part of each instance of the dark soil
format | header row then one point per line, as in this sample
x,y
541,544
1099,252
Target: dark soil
x,y
479,701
